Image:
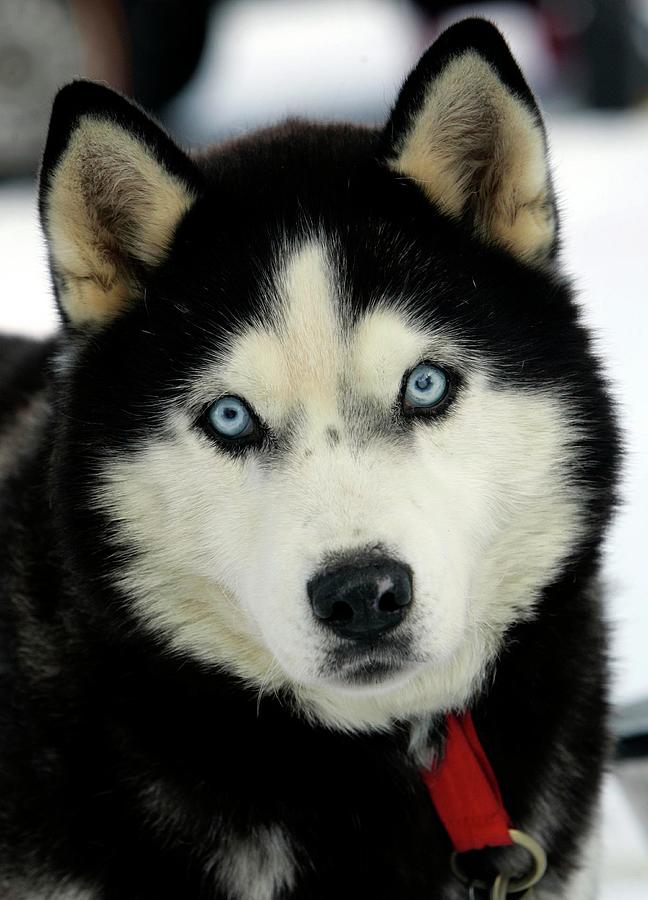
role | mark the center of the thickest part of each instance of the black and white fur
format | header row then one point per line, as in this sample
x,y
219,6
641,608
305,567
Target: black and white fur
x,y
175,722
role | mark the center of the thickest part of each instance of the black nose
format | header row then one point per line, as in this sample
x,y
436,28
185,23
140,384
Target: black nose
x,y
362,601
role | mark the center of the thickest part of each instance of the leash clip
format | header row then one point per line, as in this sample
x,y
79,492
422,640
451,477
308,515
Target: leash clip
x,y
503,885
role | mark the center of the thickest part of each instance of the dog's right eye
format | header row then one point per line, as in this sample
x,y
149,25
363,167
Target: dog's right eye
x,y
230,418
426,390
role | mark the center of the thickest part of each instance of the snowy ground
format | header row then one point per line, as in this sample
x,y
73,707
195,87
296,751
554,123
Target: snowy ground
x,y
601,169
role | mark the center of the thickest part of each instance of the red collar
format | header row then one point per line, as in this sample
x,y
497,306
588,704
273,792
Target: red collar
x,y
465,792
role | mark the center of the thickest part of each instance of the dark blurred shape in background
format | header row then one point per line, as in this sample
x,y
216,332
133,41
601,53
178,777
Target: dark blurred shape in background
x,y
175,57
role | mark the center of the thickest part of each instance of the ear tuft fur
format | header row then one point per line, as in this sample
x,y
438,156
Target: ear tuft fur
x,y
113,190
467,130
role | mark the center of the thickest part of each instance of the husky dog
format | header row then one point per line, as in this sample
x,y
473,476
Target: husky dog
x,y
321,454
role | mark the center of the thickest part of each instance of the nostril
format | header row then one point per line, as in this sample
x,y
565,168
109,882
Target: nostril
x,y
333,612
341,612
388,602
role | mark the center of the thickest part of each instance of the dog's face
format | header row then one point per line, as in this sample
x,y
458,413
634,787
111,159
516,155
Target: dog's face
x,y
324,428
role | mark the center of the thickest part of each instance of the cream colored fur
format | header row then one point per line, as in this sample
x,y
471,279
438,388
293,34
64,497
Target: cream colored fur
x,y
473,146
110,202
478,504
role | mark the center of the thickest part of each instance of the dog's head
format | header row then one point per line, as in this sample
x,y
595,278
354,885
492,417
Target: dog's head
x,y
324,394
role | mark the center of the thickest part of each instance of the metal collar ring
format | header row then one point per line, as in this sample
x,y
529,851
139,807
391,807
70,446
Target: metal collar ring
x,y
515,886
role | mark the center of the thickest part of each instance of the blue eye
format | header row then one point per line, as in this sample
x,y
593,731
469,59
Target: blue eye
x,y
426,387
230,418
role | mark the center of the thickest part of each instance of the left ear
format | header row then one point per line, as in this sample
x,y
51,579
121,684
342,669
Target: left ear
x,y
467,129
113,191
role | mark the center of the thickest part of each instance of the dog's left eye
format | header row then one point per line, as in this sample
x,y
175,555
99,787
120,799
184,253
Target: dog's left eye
x,y
426,388
229,417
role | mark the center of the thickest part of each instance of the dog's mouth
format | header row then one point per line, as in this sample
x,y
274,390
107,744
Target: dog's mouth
x,y
371,665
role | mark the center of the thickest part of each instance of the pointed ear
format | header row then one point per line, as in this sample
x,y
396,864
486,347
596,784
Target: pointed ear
x,y
467,129
113,189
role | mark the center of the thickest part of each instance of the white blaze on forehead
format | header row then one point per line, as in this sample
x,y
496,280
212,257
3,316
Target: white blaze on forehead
x,y
311,333
298,351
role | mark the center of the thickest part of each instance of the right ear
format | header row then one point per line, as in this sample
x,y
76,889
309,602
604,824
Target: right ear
x,y
113,190
467,130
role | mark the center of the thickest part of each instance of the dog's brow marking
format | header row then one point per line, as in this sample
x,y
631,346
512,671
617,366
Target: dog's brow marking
x,y
383,346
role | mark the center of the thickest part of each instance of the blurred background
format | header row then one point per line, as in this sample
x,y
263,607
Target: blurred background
x,y
210,70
